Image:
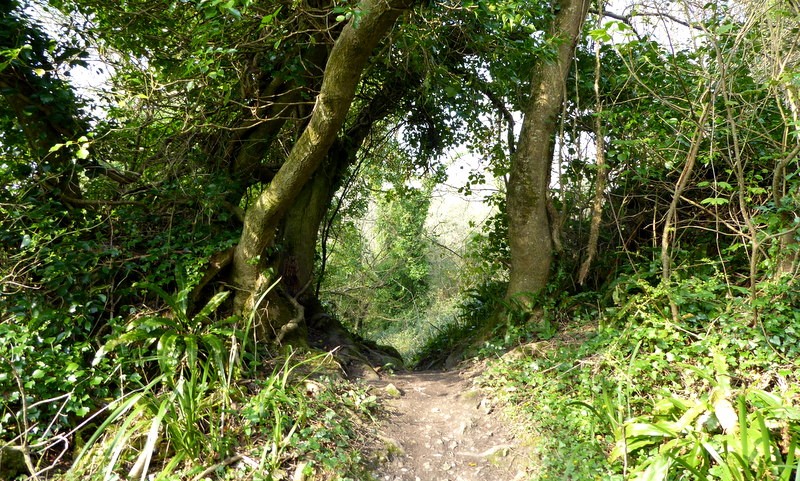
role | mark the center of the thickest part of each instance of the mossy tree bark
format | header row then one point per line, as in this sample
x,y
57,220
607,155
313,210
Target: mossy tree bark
x,y
345,64
529,226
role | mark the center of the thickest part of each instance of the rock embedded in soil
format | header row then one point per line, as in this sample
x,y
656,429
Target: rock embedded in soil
x,y
392,390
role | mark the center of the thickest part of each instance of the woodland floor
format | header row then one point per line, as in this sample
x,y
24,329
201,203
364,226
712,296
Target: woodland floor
x,y
440,427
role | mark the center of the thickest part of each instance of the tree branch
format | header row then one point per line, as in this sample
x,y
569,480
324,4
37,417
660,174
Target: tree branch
x,y
627,19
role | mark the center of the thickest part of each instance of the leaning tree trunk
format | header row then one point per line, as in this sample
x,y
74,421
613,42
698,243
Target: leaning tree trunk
x,y
529,226
342,74
301,227
300,230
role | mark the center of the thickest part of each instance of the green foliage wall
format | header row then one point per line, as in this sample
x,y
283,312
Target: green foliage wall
x,y
403,249
378,274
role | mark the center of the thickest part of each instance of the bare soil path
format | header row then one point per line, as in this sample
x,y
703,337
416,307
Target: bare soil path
x,y
440,427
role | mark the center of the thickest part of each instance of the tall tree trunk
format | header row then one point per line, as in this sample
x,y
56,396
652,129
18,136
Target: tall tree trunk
x,y
342,73
529,226
299,234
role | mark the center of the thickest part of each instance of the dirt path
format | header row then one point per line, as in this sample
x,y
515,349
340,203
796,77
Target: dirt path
x,y
441,428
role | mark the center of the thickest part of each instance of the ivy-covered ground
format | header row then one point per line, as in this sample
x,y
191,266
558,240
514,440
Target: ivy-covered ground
x,y
630,392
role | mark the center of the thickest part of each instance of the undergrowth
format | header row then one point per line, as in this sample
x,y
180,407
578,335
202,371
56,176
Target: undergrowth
x,y
271,426
457,334
629,392
195,399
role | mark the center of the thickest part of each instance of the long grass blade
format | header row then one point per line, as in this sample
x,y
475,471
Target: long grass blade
x,y
786,474
142,465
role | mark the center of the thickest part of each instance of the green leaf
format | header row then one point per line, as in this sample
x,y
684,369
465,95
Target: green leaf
x,y
216,351
177,308
269,19
714,201
657,470
627,446
725,28
157,324
184,293
764,434
191,350
743,433
211,307
169,355
123,406
772,400
600,35
688,417
661,428
786,474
